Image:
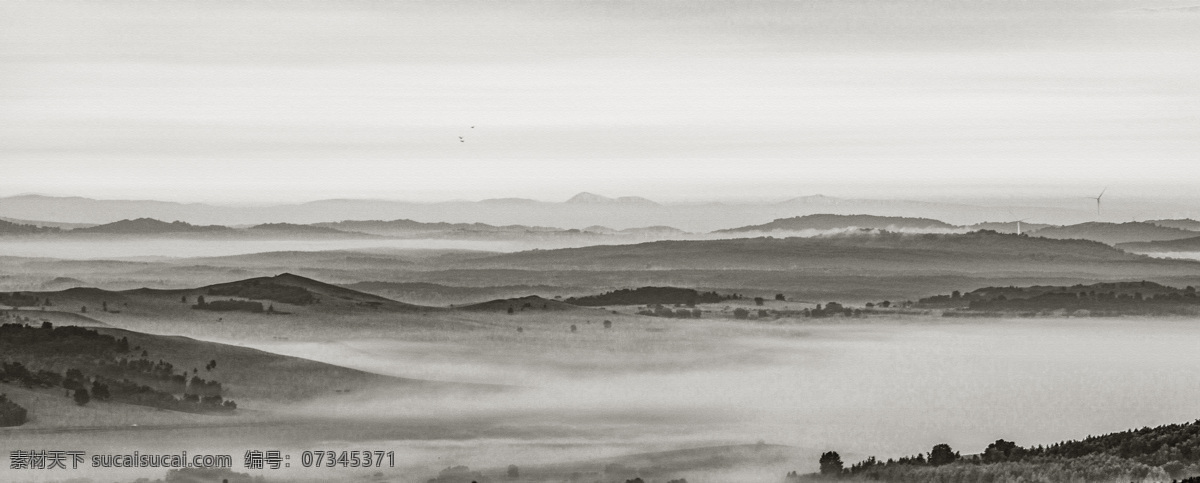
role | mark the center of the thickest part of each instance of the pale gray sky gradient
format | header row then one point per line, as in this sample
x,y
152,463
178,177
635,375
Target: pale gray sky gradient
x,y
288,101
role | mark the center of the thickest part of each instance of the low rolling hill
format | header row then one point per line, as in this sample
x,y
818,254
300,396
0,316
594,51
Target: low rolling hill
x,y
1182,224
880,254
519,304
150,371
145,226
1181,245
1114,233
255,308
826,222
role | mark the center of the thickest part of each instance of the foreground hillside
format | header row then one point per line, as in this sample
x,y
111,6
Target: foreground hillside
x,y
1158,454
108,369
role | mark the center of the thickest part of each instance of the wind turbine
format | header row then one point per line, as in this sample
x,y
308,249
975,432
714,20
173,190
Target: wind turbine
x,y
1018,222
1097,198
1019,226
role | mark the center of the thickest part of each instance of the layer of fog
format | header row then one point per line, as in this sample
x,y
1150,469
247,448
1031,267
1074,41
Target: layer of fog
x,y
886,389
150,249
1178,255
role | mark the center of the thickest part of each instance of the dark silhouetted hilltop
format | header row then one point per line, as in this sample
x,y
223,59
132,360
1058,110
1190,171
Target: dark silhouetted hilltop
x,y
142,226
825,222
647,296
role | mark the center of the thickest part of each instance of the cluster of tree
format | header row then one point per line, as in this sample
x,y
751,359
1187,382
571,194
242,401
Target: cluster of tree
x,y
458,474
228,305
10,228
194,475
265,290
658,310
164,372
50,341
743,313
526,305
831,309
18,299
84,351
1160,453
650,296
130,392
10,413
1124,298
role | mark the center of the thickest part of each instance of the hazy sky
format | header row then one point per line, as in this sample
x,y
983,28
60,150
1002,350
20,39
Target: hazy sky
x,y
268,101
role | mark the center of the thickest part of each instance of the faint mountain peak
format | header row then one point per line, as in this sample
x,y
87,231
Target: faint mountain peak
x,y
509,201
586,197
592,198
600,229
149,225
636,200
817,199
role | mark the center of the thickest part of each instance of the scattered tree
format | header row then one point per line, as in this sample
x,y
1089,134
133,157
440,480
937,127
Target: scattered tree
x,y
11,414
831,463
942,454
82,397
100,391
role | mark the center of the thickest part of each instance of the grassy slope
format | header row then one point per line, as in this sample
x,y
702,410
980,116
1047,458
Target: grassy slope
x,y
51,408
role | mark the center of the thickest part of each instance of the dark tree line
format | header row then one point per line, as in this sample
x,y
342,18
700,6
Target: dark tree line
x,y
650,296
1170,451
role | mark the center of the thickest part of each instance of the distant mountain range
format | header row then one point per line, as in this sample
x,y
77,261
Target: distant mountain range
x,y
807,225
589,198
143,227
582,210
